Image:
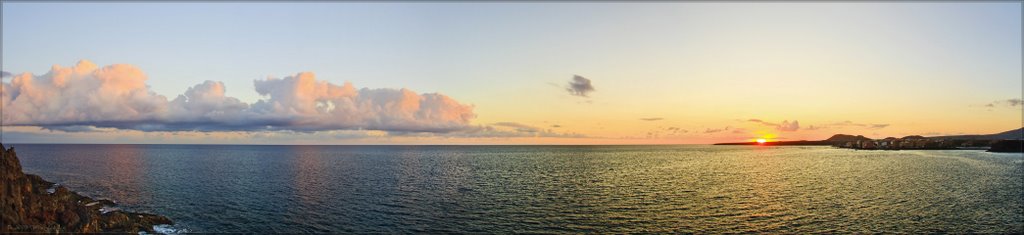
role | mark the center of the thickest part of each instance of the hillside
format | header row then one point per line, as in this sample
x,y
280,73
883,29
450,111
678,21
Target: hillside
x,y
1006,135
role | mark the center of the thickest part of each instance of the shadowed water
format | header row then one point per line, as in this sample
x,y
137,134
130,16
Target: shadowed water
x,y
434,189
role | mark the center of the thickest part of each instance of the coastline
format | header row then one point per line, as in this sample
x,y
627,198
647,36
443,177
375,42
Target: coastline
x,y
1011,141
35,205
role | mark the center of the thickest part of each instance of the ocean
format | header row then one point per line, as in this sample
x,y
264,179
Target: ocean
x,y
561,189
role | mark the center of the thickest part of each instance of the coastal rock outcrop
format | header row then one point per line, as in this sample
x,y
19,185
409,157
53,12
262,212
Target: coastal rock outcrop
x,y
31,204
1007,146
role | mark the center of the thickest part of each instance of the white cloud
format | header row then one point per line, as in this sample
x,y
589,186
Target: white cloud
x,y
116,96
81,95
321,105
206,103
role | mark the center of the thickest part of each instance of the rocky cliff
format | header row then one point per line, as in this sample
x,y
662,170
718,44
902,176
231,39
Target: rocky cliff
x,y
30,204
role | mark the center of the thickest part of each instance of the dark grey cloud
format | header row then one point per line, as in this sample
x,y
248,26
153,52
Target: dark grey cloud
x,y
580,86
676,130
75,128
4,74
652,119
1006,103
878,126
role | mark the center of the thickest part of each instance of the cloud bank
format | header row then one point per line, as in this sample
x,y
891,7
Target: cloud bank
x,y
788,126
795,125
784,126
709,130
85,96
866,125
509,130
1008,103
666,132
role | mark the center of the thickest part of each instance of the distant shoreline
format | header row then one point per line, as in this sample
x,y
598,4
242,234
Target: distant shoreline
x,y
1009,141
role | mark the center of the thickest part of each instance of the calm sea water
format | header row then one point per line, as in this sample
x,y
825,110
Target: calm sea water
x,y
435,189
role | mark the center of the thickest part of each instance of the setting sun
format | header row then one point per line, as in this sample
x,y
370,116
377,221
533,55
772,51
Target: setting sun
x,y
761,141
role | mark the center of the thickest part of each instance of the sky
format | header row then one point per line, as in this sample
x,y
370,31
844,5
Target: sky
x,y
506,72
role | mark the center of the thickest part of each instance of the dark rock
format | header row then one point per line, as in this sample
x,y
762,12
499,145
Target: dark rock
x,y
26,206
1007,146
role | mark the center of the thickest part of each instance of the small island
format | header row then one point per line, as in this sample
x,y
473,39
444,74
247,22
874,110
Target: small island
x,y
1008,141
33,205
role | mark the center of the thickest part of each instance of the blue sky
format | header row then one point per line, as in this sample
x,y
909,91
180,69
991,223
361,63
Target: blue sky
x,y
509,60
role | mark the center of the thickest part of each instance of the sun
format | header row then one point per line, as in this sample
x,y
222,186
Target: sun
x,y
761,141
